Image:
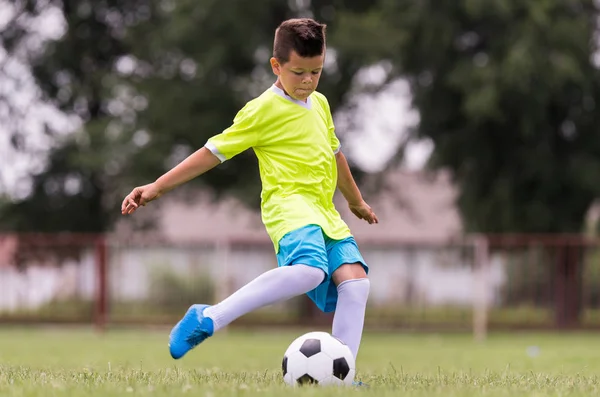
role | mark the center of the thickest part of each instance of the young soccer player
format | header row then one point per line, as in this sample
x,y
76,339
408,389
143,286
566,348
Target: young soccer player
x,y
291,130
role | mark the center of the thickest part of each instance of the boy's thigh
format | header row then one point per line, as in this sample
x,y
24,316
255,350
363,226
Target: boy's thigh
x,y
309,246
345,260
304,246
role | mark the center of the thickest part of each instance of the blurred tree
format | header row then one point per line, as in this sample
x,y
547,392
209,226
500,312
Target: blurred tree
x,y
507,91
151,81
70,192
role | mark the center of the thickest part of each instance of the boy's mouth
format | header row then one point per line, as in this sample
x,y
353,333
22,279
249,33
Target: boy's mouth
x,y
303,91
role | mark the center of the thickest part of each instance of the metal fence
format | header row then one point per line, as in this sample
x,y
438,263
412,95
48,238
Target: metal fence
x,y
479,282
52,278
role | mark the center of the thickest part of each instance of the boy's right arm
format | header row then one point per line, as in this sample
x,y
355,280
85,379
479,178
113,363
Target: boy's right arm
x,y
194,165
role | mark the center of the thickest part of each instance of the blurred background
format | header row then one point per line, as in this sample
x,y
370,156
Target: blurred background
x,y
471,127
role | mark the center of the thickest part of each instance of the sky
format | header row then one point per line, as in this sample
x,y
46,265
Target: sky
x,y
379,121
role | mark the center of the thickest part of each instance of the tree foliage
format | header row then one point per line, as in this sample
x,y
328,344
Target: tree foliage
x,y
508,93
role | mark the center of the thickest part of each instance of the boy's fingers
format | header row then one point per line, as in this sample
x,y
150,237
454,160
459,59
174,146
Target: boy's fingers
x,y
129,205
375,219
132,205
125,203
372,218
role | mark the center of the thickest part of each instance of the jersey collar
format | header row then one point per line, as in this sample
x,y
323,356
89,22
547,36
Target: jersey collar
x,y
279,91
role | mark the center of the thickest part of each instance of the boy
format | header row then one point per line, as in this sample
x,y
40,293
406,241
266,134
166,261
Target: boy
x,y
291,130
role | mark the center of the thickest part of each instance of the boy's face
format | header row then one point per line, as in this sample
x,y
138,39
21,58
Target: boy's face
x,y
299,76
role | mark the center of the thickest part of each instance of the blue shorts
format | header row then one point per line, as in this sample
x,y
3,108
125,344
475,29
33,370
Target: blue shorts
x,y
310,246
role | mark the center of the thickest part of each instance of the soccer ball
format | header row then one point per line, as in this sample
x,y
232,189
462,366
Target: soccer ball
x,y
318,358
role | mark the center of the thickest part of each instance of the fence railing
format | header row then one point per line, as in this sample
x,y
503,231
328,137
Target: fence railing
x,y
477,282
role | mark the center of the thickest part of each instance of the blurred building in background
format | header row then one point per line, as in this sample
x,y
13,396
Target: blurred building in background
x,y
414,207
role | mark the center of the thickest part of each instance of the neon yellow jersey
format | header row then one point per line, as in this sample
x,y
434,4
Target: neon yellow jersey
x,y
295,143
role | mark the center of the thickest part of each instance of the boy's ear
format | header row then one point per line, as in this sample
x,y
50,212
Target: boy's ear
x,y
275,66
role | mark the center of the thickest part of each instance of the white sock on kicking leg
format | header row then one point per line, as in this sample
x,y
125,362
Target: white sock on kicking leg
x,y
349,317
273,286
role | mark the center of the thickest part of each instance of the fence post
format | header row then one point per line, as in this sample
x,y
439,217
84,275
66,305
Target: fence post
x,y
482,290
101,304
568,284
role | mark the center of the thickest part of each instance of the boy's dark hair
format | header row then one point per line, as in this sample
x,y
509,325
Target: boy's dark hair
x,y
303,35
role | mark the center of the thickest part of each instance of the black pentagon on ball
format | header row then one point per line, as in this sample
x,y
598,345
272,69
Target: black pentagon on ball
x,y
284,365
310,347
306,380
340,368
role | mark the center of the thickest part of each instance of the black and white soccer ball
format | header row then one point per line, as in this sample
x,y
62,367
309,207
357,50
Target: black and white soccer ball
x,y
318,358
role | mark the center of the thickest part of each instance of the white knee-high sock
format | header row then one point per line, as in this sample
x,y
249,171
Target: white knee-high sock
x,y
349,317
273,286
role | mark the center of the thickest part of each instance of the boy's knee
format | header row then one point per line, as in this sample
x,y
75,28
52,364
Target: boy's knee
x,y
349,271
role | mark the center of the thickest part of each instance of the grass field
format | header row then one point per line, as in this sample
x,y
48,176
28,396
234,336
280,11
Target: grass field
x,y
59,362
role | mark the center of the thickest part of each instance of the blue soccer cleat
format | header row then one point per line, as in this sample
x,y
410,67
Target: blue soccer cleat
x,y
190,331
359,384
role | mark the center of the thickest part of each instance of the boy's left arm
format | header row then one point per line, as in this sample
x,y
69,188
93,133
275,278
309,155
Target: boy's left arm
x,y
348,187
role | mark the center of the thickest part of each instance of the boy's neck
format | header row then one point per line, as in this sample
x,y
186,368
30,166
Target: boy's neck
x,y
280,86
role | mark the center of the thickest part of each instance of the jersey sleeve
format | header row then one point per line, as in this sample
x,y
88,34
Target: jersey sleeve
x,y
240,136
333,139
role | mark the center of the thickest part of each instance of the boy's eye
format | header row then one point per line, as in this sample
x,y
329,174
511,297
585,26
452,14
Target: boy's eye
x,y
297,73
316,72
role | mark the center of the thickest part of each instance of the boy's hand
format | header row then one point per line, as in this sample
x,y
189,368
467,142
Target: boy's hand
x,y
140,196
363,211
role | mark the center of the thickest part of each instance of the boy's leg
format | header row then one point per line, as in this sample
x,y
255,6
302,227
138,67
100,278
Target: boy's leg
x,y
276,285
353,291
302,261
273,286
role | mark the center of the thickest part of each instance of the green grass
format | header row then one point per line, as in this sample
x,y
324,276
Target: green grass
x,y
59,362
